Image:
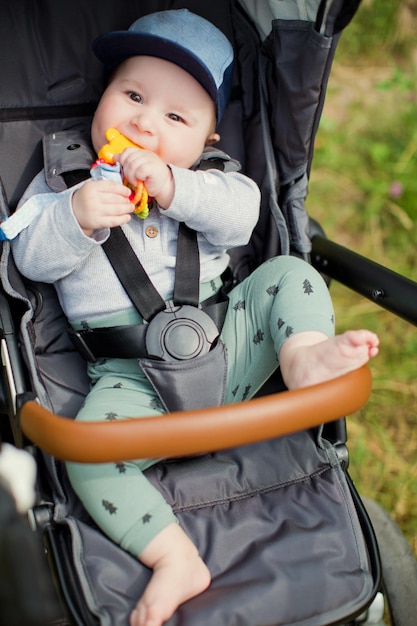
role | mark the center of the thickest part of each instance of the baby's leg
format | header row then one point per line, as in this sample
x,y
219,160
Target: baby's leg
x,y
283,314
126,506
282,298
311,357
178,575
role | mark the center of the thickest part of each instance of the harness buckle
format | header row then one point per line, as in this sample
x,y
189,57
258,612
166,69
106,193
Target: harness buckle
x,y
180,333
82,347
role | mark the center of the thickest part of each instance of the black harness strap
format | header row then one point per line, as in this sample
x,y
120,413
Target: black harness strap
x,y
132,274
174,328
131,341
136,281
187,273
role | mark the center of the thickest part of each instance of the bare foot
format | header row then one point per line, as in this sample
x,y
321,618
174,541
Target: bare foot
x,y
310,357
178,575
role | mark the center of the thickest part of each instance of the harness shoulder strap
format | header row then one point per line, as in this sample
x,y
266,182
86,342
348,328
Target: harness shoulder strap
x,y
68,156
137,283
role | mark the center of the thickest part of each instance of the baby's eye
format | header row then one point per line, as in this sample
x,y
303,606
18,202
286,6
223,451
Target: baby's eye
x,y
136,97
176,118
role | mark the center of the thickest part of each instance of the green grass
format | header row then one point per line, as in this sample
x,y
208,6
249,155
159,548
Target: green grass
x,y
363,191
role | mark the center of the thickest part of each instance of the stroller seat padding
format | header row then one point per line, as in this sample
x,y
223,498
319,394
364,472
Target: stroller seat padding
x,y
268,520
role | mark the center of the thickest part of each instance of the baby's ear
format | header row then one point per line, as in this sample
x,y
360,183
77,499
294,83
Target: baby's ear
x,y
212,139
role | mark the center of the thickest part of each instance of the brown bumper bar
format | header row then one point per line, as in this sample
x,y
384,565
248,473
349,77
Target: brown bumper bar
x,y
195,432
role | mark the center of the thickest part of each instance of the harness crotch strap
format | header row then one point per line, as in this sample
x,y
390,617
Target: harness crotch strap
x,y
172,331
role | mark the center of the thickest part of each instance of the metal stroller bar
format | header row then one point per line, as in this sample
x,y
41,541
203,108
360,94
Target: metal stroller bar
x,y
386,288
195,432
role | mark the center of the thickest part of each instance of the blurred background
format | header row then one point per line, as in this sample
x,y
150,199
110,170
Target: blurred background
x,y
363,191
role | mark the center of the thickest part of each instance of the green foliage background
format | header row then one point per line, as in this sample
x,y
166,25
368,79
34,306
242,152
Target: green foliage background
x,y
363,191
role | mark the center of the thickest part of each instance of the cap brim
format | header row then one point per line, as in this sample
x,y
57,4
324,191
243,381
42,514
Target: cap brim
x,y
113,48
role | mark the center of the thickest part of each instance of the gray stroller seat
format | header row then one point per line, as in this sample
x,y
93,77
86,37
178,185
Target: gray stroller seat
x,y
278,522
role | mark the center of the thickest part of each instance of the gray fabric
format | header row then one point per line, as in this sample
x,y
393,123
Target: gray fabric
x,y
263,13
178,383
276,525
297,63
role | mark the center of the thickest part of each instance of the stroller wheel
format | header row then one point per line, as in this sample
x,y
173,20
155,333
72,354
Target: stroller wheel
x,y
399,568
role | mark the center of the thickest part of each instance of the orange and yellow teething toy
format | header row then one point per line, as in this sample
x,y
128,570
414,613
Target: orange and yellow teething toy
x,y
118,143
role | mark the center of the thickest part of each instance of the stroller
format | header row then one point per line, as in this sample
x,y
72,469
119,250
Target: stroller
x,y
271,506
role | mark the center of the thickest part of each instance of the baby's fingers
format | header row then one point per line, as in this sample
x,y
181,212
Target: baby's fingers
x,y
108,187
101,204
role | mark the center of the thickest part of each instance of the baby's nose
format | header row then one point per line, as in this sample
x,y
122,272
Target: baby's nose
x,y
143,121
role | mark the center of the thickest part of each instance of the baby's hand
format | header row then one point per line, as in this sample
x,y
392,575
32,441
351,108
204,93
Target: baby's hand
x,y
101,204
147,167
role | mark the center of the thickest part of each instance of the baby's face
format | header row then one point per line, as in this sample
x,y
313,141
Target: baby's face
x,y
159,107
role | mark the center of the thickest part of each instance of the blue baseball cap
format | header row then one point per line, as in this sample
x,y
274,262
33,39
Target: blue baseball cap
x,y
182,37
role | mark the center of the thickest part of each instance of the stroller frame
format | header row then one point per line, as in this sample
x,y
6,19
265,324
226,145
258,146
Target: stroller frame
x,y
283,178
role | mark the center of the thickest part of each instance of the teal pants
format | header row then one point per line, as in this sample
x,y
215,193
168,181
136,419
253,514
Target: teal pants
x,y
282,297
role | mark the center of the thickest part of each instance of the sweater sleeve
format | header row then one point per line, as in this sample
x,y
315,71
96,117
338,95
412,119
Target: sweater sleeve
x,y
224,207
52,245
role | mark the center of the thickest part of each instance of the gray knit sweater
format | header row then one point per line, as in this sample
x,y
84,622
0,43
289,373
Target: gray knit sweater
x,y
222,207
